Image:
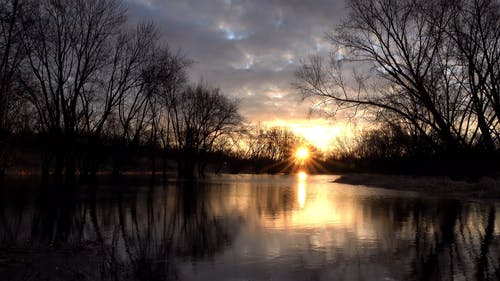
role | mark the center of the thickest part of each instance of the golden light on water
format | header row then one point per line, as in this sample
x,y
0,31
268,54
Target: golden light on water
x,y
302,176
301,192
334,208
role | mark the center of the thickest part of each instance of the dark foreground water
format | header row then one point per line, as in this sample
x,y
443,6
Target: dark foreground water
x,y
244,228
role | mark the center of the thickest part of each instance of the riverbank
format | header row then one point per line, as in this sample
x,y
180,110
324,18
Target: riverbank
x,y
484,188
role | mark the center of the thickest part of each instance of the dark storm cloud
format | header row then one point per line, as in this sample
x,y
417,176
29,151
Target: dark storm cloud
x,y
249,49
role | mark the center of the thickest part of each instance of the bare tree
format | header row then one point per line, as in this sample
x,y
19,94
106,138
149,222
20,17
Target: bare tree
x,y
200,117
67,46
476,40
430,66
89,81
119,86
11,56
164,80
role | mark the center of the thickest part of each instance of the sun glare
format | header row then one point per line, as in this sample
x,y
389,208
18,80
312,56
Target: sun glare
x,y
320,133
302,153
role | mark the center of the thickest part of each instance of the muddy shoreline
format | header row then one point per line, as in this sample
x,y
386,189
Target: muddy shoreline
x,y
485,188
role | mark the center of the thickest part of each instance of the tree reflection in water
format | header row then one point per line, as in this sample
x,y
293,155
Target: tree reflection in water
x,y
138,234
240,228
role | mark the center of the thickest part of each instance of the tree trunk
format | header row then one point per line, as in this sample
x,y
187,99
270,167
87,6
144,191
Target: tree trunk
x,y
2,176
116,169
188,164
164,166
120,154
45,167
58,171
202,165
153,162
94,154
85,169
94,167
70,169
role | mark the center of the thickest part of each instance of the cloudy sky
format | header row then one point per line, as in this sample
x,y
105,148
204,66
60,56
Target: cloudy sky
x,y
250,49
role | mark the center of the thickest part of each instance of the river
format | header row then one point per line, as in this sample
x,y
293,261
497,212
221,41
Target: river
x,y
244,227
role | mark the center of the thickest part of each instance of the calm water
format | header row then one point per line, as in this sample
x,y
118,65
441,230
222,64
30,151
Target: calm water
x,y
245,227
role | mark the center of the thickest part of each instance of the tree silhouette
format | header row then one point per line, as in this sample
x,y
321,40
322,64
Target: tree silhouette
x,y
427,66
201,116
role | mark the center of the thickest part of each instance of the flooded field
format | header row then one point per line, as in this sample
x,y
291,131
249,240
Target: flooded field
x,y
244,227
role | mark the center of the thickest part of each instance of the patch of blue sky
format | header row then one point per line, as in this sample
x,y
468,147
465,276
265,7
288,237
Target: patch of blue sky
x,y
231,35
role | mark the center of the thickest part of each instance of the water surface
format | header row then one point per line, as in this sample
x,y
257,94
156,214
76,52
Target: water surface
x,y
244,227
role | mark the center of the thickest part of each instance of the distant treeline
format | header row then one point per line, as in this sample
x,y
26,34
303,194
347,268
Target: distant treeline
x,y
392,150
253,149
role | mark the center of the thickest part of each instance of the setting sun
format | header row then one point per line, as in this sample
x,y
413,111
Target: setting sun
x,y
302,153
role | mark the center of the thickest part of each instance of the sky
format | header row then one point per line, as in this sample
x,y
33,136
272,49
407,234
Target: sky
x,y
250,50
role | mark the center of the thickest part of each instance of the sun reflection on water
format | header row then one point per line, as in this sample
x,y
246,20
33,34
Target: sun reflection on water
x,y
301,192
302,176
259,223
